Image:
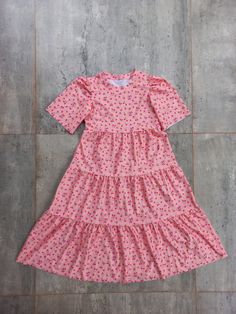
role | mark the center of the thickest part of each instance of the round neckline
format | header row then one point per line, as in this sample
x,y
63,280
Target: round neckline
x,y
106,76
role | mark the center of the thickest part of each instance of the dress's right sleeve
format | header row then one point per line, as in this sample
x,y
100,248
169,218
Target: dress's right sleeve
x,y
72,105
167,103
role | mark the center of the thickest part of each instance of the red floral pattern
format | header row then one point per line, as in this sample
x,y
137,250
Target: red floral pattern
x,y
124,210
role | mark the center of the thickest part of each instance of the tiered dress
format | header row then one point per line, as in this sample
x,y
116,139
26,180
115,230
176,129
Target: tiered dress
x,y
124,210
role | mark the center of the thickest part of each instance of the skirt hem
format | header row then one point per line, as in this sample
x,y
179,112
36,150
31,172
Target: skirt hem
x,y
74,277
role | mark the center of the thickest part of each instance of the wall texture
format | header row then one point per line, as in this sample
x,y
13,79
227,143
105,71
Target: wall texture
x,y
45,44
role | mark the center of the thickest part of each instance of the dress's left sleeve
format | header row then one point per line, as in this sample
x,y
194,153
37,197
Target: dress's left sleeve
x,y
73,104
167,103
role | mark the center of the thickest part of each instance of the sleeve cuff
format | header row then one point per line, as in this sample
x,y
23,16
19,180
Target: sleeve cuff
x,y
178,118
59,119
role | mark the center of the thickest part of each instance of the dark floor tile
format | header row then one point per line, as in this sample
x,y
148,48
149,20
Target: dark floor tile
x,y
216,303
17,305
17,207
214,168
214,65
16,62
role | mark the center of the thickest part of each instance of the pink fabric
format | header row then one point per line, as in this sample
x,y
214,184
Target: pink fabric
x,y
124,210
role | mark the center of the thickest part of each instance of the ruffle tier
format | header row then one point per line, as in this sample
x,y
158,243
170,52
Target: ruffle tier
x,y
122,200
124,153
111,253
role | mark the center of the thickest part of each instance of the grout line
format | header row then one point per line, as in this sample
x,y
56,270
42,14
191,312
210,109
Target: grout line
x,y
168,133
110,292
35,140
194,288
96,292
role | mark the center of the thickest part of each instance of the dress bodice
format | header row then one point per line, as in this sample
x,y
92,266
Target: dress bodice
x,y
145,102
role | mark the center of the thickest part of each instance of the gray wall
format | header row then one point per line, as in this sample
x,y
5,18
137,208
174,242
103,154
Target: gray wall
x,y
46,44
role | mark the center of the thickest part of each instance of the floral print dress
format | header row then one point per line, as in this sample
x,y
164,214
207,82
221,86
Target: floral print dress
x,y
124,210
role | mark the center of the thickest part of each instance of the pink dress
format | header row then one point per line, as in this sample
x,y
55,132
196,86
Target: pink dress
x,y
124,210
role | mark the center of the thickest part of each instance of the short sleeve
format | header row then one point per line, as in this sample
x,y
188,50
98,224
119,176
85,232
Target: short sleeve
x,y
167,103
73,104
